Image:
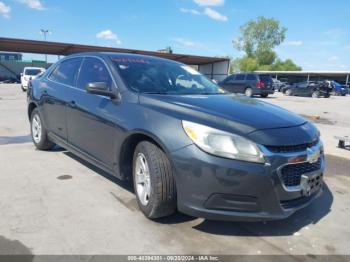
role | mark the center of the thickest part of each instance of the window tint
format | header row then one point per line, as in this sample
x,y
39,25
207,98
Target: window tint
x,y
230,78
93,70
154,75
240,77
251,77
265,78
66,71
32,72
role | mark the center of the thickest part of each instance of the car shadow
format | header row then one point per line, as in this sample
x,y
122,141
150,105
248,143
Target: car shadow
x,y
127,185
14,250
176,218
309,215
286,227
269,97
8,140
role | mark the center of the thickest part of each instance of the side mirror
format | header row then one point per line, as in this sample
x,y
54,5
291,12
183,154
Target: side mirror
x,y
100,88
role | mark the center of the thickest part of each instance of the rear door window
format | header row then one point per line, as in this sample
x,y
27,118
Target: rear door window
x,y
66,72
240,77
93,70
251,77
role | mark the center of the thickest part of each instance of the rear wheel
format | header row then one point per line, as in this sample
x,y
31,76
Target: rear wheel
x,y
249,92
154,183
315,94
39,133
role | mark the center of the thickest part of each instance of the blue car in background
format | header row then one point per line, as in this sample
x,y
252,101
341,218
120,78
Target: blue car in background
x,y
340,90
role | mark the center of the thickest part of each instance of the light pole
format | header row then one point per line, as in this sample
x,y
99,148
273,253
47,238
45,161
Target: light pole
x,y
45,32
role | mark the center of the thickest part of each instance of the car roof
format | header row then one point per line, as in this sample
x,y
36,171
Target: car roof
x,y
121,55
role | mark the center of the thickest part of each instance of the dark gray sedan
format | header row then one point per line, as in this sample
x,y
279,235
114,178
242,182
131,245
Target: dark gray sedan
x,y
184,142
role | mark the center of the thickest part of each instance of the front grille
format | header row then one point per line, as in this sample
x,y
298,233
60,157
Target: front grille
x,y
292,148
291,174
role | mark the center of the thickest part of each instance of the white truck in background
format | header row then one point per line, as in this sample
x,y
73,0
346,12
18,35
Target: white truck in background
x,y
28,74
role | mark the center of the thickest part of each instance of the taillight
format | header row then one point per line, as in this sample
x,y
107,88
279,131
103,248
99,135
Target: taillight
x,y
260,84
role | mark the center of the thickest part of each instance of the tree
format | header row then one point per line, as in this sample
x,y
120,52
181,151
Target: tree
x,y
258,39
248,64
287,65
260,35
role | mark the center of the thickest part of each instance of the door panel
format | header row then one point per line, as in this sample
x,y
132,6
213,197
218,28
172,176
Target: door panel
x,y
54,108
56,95
90,128
90,123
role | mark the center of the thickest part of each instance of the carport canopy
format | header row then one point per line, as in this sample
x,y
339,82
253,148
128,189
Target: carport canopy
x,y
56,48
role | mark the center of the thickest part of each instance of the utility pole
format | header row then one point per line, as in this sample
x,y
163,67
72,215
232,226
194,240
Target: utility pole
x,y
44,32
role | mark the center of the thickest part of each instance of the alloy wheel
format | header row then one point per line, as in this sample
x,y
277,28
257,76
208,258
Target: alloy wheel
x,y
142,179
36,128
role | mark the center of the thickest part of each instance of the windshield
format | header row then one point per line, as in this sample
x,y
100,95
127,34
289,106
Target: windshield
x,y
151,75
32,72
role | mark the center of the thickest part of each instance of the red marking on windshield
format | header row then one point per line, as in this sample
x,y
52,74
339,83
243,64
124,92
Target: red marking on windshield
x,y
130,60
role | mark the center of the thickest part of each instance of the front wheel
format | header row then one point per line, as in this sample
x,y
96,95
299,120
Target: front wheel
x,y
264,95
154,184
39,132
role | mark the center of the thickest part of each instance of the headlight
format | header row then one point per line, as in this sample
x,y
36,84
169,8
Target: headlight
x,y
223,144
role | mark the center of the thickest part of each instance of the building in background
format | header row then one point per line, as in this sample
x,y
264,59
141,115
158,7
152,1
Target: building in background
x,y
166,50
342,77
7,56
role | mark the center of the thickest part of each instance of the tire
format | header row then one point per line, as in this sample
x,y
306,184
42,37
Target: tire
x,y
264,95
315,94
327,95
248,92
156,196
288,92
38,132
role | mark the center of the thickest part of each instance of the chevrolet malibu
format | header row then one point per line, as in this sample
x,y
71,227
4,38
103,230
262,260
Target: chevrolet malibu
x,y
192,148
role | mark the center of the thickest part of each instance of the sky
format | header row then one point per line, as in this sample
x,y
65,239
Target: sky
x,y
318,36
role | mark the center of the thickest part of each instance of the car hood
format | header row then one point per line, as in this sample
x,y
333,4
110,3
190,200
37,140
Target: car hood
x,y
235,113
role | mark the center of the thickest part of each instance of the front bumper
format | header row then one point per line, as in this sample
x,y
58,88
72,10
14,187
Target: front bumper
x,y
223,189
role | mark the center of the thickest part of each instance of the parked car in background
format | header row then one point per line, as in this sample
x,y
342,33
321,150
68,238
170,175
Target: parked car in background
x,y
312,89
30,73
249,84
278,85
338,89
184,81
193,148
